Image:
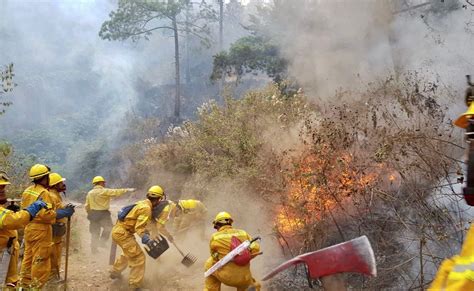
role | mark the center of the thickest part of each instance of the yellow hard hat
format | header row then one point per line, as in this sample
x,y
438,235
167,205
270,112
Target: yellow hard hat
x,y
223,217
463,120
187,204
55,178
38,171
156,192
4,180
98,179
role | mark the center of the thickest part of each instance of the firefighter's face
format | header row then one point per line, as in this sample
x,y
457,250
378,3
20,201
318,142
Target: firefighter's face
x,y
3,189
62,187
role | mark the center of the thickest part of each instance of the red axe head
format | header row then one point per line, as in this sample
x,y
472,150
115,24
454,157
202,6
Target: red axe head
x,y
354,256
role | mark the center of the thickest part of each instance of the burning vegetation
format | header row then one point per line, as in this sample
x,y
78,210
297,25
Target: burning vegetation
x,y
367,166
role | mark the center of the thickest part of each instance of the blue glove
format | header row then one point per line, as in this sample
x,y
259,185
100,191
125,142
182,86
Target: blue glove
x,y
67,211
145,239
35,207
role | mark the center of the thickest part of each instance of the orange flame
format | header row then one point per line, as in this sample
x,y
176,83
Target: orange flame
x,y
316,186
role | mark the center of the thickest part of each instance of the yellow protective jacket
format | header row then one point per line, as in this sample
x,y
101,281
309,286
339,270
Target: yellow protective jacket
x,y
33,193
230,274
457,273
99,197
220,241
193,212
138,218
11,221
57,202
192,206
165,214
162,219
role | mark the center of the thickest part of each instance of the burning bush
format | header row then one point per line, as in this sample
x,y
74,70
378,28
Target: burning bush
x,y
369,167
367,164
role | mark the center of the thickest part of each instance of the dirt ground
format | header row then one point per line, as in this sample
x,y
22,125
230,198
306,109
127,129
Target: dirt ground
x,y
90,272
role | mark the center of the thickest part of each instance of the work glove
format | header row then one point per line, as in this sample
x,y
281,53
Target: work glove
x,y
67,211
35,207
146,239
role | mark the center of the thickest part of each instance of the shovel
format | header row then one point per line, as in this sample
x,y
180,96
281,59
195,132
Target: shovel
x,y
188,260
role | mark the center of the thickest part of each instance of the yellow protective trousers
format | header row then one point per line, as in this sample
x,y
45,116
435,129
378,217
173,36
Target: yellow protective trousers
x,y
132,255
12,274
36,264
56,255
232,275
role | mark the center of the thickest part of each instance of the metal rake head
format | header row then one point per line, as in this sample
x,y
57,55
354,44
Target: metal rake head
x,y
188,260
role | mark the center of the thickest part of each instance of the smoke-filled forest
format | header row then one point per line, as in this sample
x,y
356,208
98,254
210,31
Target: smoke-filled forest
x,y
312,122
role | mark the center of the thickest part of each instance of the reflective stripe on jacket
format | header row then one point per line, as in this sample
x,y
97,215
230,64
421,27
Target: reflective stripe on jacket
x,y
33,193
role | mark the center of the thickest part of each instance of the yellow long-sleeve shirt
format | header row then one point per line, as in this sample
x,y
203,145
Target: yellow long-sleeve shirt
x,y
138,218
457,273
9,222
33,193
220,241
57,202
193,212
192,206
165,214
99,197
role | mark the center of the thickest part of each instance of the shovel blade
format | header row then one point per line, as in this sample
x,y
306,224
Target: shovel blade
x,y
188,260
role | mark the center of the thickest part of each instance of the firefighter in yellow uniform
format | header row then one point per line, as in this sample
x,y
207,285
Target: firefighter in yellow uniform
x,y
135,221
161,214
9,222
98,213
230,274
457,273
188,213
56,187
36,264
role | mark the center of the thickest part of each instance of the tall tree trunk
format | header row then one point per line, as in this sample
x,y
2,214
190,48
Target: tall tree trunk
x,y
221,25
177,100
187,74
221,45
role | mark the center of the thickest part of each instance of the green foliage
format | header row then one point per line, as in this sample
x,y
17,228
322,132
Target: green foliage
x,y
226,141
136,19
250,54
7,85
16,165
258,53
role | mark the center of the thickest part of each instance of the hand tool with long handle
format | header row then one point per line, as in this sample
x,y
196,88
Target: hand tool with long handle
x,y
68,241
113,253
354,256
188,260
5,260
227,258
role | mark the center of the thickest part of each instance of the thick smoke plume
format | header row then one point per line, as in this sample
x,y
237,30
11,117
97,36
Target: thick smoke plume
x,y
344,45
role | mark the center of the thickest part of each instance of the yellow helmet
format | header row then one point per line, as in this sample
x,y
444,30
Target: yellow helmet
x,y
156,192
463,120
4,180
223,217
38,171
187,204
55,178
98,179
